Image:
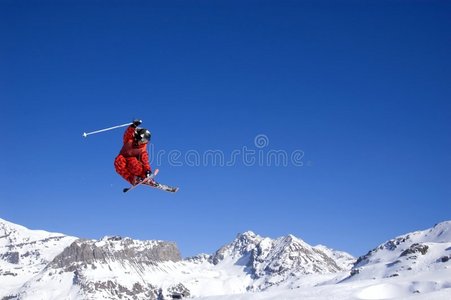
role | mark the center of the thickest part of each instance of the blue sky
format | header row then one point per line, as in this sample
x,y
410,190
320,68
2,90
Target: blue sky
x,y
361,88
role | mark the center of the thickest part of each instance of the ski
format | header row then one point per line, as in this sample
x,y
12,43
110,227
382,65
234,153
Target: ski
x,y
145,181
164,187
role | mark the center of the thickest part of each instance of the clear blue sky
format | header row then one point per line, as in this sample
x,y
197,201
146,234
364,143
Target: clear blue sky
x,y
362,88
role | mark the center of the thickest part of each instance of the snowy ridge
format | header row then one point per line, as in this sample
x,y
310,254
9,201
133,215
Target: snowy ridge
x,y
24,253
54,266
110,249
414,252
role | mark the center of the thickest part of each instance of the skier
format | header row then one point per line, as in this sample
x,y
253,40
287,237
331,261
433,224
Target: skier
x,y
132,163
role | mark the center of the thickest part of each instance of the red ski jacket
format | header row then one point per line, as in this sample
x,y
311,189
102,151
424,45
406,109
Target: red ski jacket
x,y
133,149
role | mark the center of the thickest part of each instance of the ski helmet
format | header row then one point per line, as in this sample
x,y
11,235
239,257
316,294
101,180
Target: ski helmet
x,y
142,135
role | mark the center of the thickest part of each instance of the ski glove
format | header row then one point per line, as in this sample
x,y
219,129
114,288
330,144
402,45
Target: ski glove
x,y
148,173
137,122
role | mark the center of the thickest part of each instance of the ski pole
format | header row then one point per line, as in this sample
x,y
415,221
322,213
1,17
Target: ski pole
x,y
85,134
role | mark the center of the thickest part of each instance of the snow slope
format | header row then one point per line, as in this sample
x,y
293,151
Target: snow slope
x,y
24,253
424,286
420,251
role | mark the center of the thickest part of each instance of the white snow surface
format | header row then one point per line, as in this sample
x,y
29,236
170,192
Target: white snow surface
x,y
415,266
426,286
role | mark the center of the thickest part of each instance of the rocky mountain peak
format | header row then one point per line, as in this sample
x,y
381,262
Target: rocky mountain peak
x,y
247,235
242,244
271,261
244,240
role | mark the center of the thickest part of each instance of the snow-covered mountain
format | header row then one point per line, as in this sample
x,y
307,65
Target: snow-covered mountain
x,y
88,269
41,265
25,253
270,262
427,250
105,269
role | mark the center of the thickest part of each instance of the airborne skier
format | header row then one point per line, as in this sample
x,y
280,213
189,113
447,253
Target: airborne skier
x,y
132,163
